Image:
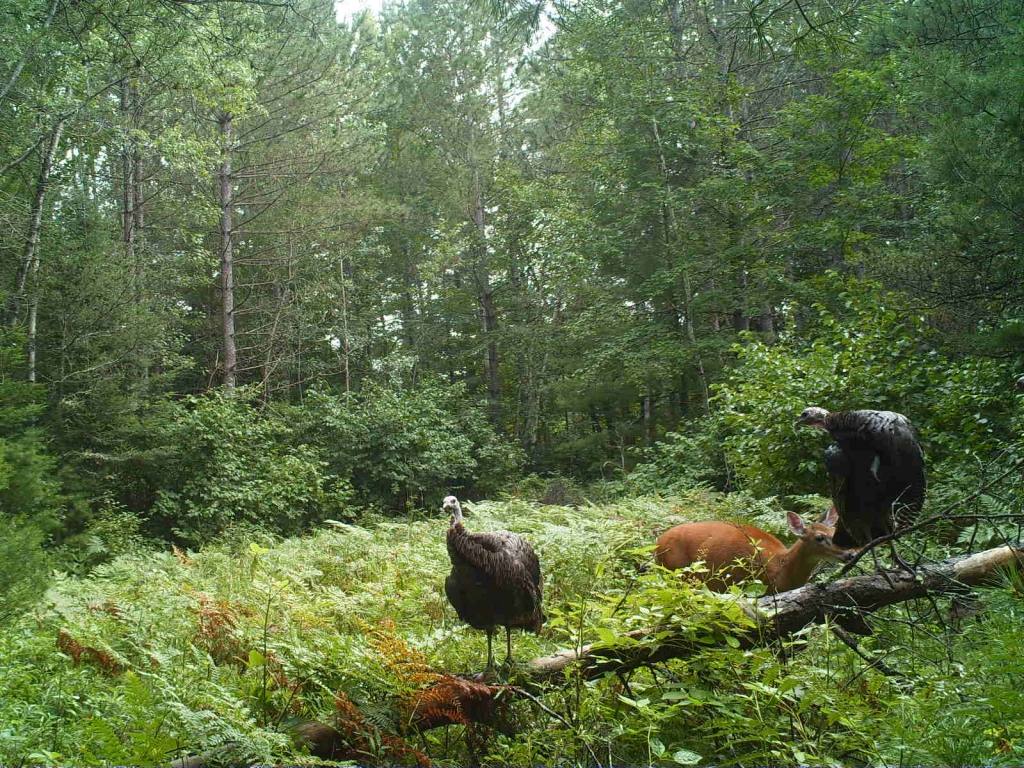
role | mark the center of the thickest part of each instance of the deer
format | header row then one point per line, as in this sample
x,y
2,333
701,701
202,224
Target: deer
x,y
733,552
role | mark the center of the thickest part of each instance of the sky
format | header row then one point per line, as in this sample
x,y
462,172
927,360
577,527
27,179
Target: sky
x,y
347,8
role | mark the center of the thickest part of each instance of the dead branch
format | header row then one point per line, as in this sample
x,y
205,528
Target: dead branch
x,y
450,700
776,617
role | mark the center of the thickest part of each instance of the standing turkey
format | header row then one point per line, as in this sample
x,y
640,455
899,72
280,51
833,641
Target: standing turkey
x,y
495,580
876,473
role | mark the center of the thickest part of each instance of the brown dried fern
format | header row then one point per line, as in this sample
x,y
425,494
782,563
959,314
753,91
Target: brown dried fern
x,y
66,643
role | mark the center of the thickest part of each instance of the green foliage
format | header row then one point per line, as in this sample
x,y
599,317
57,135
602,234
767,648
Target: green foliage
x,y
219,647
863,354
723,706
403,446
31,496
959,63
686,459
24,566
220,650
596,232
230,465
27,483
964,711
28,487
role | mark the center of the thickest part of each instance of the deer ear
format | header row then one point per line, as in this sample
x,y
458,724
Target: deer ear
x,y
830,517
796,523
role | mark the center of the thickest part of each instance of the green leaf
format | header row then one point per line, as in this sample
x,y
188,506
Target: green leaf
x,y
606,636
686,757
657,747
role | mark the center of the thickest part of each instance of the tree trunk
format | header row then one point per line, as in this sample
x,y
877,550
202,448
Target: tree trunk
x,y
650,431
490,322
127,179
33,319
30,254
138,217
740,321
766,321
344,322
227,266
488,316
410,319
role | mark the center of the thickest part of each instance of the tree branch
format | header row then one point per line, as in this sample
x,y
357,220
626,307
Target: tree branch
x,y
778,616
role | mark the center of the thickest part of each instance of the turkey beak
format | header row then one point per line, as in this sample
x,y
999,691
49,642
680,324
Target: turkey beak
x,y
808,420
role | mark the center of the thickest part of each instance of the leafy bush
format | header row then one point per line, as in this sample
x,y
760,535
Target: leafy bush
x,y
28,486
688,458
31,497
230,463
400,446
24,566
871,356
111,530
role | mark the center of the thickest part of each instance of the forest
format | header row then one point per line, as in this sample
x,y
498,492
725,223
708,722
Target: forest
x,y
277,277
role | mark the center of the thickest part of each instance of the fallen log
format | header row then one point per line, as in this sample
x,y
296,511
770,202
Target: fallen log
x,y
775,617
452,700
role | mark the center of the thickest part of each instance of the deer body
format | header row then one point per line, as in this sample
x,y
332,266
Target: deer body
x,y
733,552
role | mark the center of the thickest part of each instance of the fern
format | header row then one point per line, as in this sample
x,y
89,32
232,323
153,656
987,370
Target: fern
x,y
217,650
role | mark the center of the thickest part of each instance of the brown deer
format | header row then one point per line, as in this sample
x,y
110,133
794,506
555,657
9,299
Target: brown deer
x,y
733,552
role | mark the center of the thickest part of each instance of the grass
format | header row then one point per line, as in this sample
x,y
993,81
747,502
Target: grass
x,y
162,653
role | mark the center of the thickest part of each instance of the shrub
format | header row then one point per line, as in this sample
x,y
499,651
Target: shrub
x,y
872,357
27,470
231,464
399,446
686,459
218,651
24,566
31,499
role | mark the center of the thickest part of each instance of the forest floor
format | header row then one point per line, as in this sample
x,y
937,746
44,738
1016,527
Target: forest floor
x,y
164,653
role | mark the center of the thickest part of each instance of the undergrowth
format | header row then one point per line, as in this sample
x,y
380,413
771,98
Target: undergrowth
x,y
233,650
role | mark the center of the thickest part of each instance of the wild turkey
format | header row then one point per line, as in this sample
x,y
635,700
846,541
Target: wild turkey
x,y
1019,386
495,580
876,473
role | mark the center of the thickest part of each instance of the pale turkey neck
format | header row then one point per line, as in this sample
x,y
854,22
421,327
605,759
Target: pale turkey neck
x,y
457,515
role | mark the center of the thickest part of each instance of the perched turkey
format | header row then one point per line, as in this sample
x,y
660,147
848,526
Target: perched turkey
x,y
876,473
495,580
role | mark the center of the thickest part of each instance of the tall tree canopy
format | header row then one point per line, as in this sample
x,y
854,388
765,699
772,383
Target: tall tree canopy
x,y
582,221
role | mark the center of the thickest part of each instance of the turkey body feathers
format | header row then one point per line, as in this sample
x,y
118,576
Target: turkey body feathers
x,y
495,580
876,474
